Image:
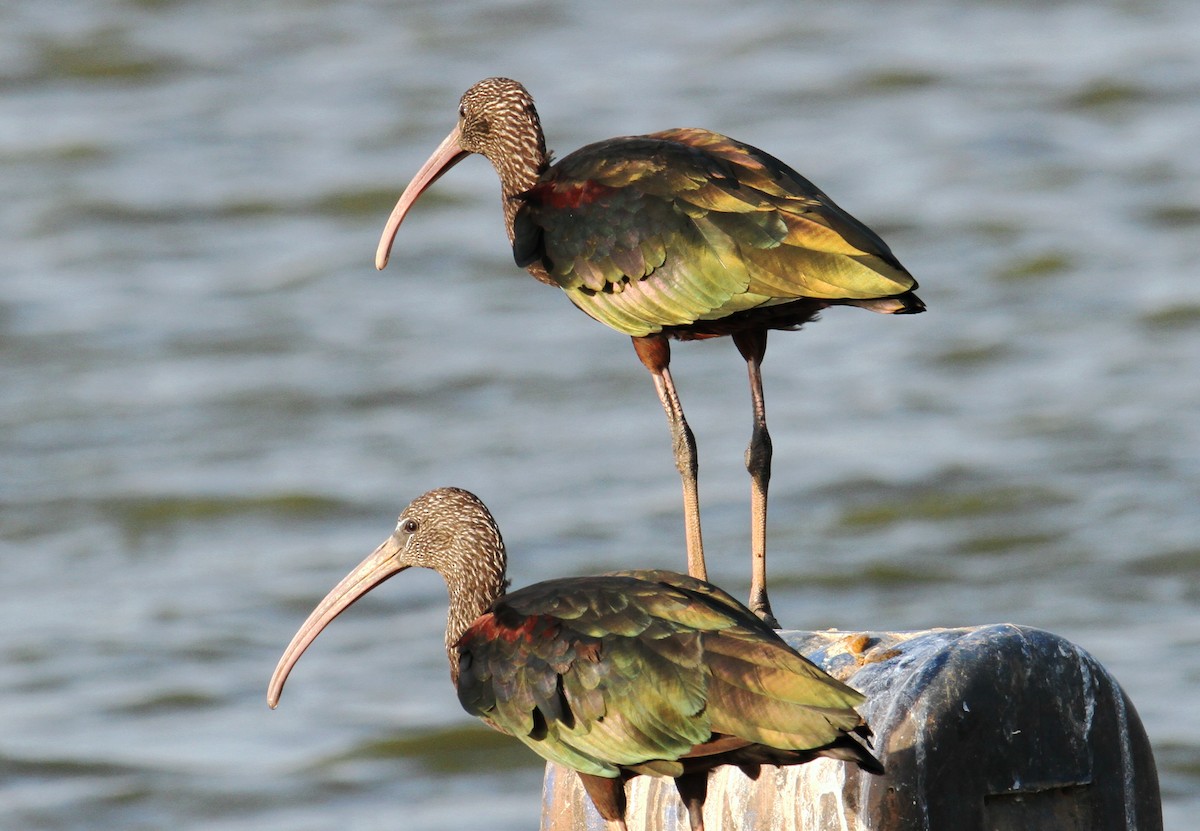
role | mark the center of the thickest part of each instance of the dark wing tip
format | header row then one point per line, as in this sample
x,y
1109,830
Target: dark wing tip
x,y
912,304
848,749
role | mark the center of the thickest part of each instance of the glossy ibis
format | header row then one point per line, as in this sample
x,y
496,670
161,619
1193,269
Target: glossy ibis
x,y
682,234
636,672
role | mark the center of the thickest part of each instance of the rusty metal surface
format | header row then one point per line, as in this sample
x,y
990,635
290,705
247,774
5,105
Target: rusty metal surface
x,y
996,727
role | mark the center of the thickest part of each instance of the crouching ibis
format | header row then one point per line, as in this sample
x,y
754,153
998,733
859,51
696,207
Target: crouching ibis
x,y
614,676
681,234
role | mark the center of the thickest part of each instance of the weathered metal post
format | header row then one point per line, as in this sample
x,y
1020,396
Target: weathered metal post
x,y
996,728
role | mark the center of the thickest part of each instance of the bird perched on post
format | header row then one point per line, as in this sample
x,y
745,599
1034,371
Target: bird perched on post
x,y
614,676
681,234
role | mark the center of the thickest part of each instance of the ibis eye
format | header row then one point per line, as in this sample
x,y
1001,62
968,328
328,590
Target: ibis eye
x,y
409,526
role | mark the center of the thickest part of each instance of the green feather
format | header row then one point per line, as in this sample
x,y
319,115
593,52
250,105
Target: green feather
x,y
696,227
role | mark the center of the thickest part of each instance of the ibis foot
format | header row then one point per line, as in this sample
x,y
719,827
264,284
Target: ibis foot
x,y
762,608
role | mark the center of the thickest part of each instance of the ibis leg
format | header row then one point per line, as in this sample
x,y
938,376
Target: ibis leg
x,y
655,353
693,788
608,795
753,346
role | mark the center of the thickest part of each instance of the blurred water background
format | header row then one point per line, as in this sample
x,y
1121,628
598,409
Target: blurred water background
x,y
212,405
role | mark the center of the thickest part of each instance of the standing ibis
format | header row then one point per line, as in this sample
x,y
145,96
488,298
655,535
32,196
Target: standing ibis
x,y
682,234
636,672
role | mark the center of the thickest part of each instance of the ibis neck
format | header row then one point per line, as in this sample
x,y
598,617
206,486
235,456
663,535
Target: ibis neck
x,y
472,592
520,164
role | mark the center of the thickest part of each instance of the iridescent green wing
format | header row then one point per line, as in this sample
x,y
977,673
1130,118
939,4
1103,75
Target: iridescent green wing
x,y
586,675
636,669
759,688
687,225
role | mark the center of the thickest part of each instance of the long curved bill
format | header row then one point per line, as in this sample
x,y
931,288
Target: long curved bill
x,y
382,563
448,154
